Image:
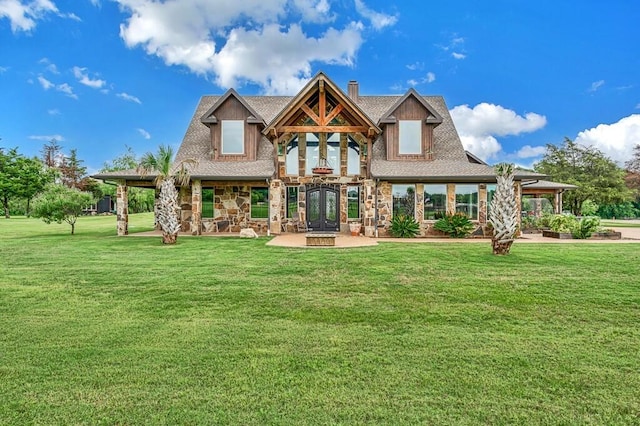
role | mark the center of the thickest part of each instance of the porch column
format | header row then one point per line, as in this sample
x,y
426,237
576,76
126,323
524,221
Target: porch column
x,y
482,201
196,207
451,198
369,213
518,193
122,208
557,207
275,206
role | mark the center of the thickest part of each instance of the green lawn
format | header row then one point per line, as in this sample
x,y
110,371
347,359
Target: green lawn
x,y
99,329
620,223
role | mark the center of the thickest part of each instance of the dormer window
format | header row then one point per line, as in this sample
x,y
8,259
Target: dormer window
x,y
232,137
410,137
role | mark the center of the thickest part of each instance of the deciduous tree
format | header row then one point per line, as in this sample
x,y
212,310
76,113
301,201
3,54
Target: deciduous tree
x,y
58,203
597,177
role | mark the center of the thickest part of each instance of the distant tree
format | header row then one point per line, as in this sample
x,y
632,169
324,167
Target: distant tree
x,y
597,177
33,176
58,203
633,165
9,173
166,179
126,161
52,155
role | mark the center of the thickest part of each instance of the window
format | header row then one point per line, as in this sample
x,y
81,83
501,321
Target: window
x,y
410,137
259,203
467,200
491,191
233,136
404,200
292,201
313,152
353,158
353,202
207,202
291,160
435,201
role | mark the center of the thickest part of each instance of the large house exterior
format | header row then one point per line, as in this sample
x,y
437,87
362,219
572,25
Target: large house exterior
x,y
326,159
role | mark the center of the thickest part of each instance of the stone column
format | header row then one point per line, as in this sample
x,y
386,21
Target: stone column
x,y
419,213
482,204
451,198
196,207
369,213
276,196
122,208
518,194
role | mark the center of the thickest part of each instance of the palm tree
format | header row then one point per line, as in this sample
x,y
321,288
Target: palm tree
x,y
166,179
504,213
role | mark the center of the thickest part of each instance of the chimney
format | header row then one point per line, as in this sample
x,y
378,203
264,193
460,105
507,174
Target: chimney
x,y
353,90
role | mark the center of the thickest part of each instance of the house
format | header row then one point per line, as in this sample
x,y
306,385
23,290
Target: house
x,y
326,157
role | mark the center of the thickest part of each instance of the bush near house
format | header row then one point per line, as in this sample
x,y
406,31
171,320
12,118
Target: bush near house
x,y
455,225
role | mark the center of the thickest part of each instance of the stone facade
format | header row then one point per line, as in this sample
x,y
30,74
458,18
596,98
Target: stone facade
x,y
122,208
232,210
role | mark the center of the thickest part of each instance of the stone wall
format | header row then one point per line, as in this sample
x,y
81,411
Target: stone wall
x,y
232,210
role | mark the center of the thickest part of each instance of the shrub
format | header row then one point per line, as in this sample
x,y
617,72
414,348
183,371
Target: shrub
x,y
563,223
403,226
456,225
586,227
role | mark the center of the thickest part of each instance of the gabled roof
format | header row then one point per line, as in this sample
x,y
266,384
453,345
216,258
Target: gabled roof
x,y
546,184
209,117
434,117
296,103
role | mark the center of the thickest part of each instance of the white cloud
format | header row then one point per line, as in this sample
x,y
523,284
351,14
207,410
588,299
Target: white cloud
x,y
96,3
49,66
83,78
378,20
455,46
529,151
64,87
615,140
46,84
479,125
244,41
3,69
416,66
67,90
24,14
596,85
53,111
47,138
128,97
430,78
413,82
458,55
144,133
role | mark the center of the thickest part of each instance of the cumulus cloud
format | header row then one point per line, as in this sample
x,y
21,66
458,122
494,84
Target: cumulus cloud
x,y
415,66
53,111
144,133
49,66
244,41
615,140
47,138
128,97
479,126
378,20
46,84
23,14
83,77
429,78
529,151
458,55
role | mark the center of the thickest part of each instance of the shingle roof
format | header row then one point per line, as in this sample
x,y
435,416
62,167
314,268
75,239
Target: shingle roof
x,y
545,184
450,157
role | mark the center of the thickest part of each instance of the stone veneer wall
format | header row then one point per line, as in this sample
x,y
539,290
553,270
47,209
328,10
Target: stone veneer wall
x,y
385,209
232,209
122,209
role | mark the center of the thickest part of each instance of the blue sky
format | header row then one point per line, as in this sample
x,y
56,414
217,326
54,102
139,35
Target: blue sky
x,y
99,75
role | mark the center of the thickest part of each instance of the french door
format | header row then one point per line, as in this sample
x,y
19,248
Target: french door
x,y
323,208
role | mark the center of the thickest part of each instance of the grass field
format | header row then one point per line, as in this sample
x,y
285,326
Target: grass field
x,y
620,223
99,329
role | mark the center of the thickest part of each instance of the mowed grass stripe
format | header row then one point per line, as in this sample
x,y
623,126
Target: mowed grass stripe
x,y
97,329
